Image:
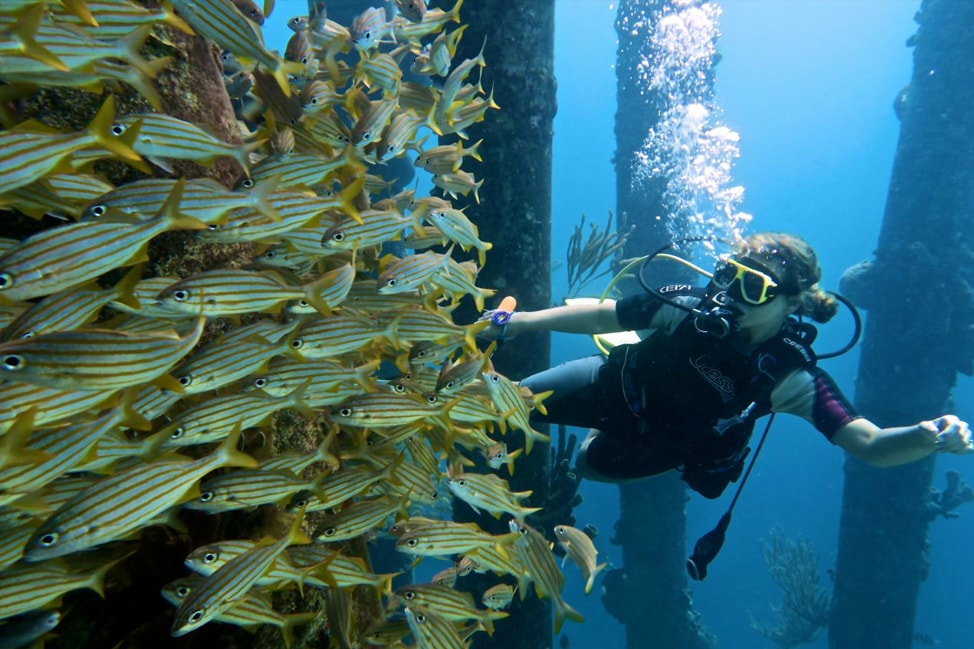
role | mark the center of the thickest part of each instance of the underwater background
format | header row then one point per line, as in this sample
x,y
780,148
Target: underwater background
x,y
809,86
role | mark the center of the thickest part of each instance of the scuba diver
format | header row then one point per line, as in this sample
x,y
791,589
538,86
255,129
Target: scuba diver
x,y
715,360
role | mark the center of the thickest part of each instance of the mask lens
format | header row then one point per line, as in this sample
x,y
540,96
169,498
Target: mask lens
x,y
743,282
724,276
753,288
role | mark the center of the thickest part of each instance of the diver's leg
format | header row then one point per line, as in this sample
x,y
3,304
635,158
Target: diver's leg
x,y
618,458
576,400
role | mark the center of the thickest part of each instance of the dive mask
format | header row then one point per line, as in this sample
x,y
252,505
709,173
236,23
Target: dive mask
x,y
744,283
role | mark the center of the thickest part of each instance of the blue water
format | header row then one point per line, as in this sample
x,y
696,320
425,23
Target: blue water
x,y
809,86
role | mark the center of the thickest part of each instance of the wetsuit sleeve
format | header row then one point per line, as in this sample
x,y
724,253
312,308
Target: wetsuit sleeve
x,y
813,395
638,311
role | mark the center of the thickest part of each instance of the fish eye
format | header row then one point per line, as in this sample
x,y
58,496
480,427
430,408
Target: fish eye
x,y
206,497
13,362
432,400
449,384
176,434
345,412
118,129
210,557
98,210
399,387
6,280
270,254
247,183
411,542
331,531
303,303
186,381
260,382
409,594
391,282
49,539
196,616
180,295
183,591
421,618
462,482
297,343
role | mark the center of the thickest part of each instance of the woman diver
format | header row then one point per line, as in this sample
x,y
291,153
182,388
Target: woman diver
x,y
687,395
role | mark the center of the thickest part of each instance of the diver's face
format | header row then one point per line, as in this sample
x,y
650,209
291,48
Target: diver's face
x,y
757,323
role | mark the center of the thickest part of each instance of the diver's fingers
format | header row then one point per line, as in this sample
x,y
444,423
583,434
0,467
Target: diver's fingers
x,y
954,435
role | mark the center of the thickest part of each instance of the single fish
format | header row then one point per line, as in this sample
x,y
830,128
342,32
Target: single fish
x,y
231,582
123,502
579,548
96,359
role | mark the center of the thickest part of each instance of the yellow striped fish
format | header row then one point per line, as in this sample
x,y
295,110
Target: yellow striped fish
x,y
579,548
432,631
448,539
498,597
161,137
507,398
207,559
251,611
231,291
26,587
68,310
26,156
69,255
96,359
491,493
49,405
539,564
214,418
231,582
117,18
123,502
357,519
450,604
223,24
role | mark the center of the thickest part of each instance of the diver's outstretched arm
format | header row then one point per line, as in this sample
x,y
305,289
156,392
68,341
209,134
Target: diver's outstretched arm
x,y
594,318
885,447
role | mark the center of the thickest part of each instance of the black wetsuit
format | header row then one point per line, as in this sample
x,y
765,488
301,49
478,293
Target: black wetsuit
x,y
683,399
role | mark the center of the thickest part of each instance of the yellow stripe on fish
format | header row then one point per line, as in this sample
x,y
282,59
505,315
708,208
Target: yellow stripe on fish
x,y
121,503
232,291
231,582
539,564
95,359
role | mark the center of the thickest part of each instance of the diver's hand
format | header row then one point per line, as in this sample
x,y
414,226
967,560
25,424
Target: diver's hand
x,y
499,318
952,433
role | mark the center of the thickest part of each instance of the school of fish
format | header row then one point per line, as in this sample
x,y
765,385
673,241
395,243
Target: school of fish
x,y
109,389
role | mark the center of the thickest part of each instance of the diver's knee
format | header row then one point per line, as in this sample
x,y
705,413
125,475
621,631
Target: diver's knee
x,y
583,469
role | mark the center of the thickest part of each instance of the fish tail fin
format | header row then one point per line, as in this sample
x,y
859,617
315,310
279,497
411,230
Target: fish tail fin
x,y
26,30
261,193
173,20
13,451
473,150
229,455
565,612
106,135
590,582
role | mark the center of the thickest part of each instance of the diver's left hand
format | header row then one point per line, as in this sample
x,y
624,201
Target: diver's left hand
x,y
953,434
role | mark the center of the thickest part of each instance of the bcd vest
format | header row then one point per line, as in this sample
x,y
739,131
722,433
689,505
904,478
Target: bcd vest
x,y
699,395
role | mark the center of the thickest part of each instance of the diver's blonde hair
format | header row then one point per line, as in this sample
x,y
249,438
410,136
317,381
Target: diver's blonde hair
x,y
795,264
